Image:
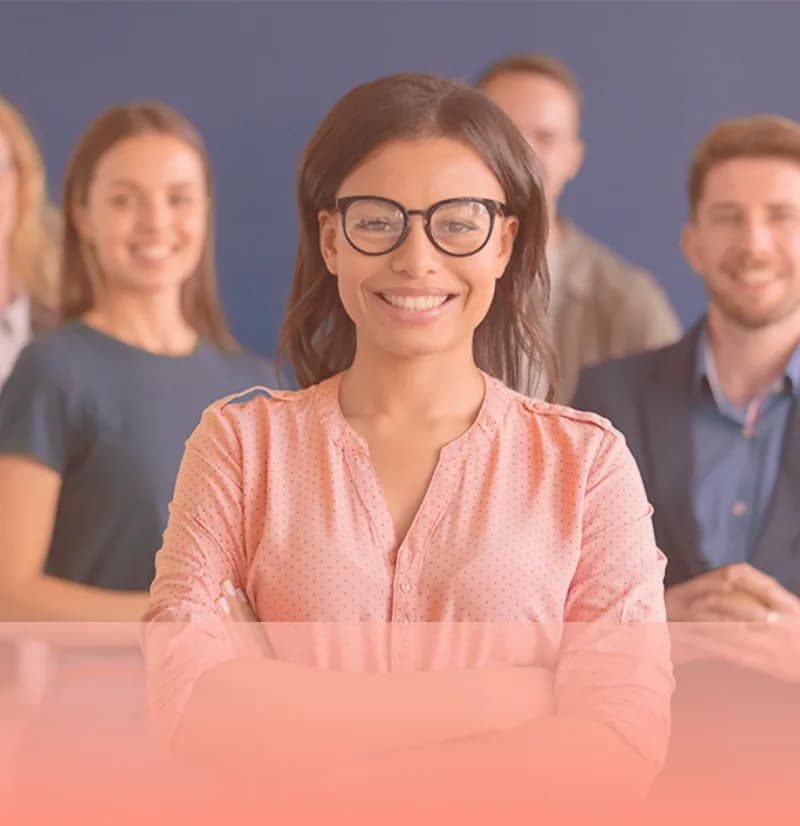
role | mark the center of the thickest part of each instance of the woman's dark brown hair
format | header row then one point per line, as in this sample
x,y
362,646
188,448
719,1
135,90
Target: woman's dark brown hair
x,y
318,338
199,296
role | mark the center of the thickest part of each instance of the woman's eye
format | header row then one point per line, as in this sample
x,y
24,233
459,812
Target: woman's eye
x,y
458,227
376,225
122,201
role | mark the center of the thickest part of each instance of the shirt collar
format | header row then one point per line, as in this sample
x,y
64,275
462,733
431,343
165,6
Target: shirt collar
x,y
705,375
792,372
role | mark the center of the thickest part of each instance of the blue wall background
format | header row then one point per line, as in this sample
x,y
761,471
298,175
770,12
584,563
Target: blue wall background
x,y
257,76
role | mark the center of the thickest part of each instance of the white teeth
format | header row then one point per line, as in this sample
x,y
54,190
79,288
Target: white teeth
x,y
155,251
755,276
416,302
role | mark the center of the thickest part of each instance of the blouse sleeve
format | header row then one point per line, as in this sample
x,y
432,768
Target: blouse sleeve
x,y
614,665
183,635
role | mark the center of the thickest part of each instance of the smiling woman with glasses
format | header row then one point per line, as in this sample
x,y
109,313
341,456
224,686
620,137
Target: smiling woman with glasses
x,y
408,487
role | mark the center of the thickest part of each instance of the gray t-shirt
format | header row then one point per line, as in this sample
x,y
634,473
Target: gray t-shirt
x,y
112,419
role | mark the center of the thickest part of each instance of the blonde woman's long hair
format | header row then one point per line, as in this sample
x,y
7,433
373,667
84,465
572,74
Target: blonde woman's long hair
x,y
34,243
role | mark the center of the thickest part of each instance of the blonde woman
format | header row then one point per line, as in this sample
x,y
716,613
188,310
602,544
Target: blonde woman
x,y
29,230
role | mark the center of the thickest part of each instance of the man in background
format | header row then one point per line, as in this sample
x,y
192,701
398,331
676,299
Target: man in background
x,y
601,306
714,424
714,420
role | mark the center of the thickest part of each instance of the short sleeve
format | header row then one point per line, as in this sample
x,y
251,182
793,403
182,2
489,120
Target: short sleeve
x,y
38,417
203,545
615,664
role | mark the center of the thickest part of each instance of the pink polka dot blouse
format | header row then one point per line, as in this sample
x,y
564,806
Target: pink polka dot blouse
x,y
535,515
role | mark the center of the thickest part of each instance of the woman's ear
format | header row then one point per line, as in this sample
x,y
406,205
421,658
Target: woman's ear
x,y
328,239
509,228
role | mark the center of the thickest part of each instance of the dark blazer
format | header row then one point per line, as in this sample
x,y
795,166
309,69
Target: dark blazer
x,y
648,397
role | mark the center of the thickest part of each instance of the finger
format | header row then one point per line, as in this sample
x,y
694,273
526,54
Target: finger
x,y
708,609
240,610
784,629
762,587
223,608
769,648
248,638
699,586
235,629
731,608
713,581
772,617
245,629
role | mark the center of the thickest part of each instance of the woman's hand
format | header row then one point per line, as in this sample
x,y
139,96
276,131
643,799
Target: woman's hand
x,y
246,632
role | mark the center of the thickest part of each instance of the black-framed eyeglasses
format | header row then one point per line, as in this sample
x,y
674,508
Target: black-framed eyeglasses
x,y
455,226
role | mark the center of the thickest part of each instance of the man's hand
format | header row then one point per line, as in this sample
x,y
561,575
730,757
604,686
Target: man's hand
x,y
733,593
768,648
739,614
